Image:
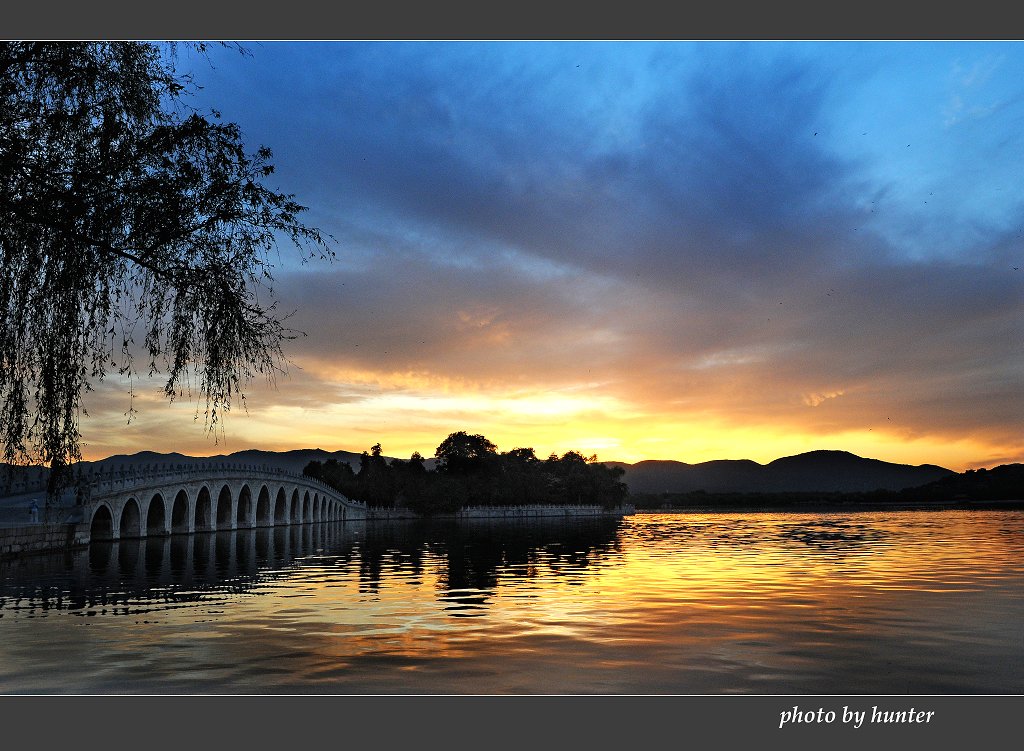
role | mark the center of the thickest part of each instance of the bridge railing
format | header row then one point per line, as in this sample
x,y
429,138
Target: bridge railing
x,y
98,483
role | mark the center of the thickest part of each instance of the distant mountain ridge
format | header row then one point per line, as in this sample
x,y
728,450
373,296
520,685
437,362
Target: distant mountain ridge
x,y
832,471
293,461
814,471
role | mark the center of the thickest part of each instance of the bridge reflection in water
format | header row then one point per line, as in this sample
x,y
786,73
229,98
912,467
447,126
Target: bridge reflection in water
x,y
143,575
926,603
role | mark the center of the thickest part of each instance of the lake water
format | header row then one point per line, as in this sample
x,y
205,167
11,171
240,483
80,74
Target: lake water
x,y
674,603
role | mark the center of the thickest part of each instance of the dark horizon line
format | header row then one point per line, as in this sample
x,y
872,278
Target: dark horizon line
x,y
613,462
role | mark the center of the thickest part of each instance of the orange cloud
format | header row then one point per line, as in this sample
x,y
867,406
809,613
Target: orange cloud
x,y
413,411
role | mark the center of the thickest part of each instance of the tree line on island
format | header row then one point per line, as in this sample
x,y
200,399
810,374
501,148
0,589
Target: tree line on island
x,y
469,471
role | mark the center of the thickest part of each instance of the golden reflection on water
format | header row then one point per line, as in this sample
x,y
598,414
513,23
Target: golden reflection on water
x,y
922,602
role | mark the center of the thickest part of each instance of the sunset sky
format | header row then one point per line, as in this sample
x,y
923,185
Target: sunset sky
x,y
673,250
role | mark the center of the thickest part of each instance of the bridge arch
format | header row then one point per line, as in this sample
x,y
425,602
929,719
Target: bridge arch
x,y
204,511
280,506
223,517
305,507
179,513
156,516
243,518
296,507
130,522
316,508
102,525
264,515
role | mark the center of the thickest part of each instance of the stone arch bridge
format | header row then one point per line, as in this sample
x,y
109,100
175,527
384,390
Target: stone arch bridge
x,y
165,499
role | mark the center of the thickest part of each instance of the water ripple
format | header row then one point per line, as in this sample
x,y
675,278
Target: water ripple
x,y
880,602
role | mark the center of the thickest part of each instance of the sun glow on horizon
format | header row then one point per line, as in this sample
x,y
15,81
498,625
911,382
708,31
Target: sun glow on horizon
x,y
407,418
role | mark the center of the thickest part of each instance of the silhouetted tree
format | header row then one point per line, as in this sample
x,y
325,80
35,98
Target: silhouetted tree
x,y
127,220
374,481
462,454
338,475
415,464
522,482
470,471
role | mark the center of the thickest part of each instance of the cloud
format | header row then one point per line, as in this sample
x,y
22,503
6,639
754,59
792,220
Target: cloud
x,y
677,233
813,400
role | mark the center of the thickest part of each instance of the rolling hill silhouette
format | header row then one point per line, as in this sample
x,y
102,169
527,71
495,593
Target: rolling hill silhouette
x,y
294,461
814,471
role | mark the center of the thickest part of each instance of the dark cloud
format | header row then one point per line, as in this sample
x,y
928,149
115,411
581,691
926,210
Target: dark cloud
x,y
676,226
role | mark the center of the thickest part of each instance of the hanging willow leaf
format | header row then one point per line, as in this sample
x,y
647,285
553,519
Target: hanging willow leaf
x,y
128,221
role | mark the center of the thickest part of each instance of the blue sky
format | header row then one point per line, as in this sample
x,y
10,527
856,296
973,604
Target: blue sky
x,y
645,250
